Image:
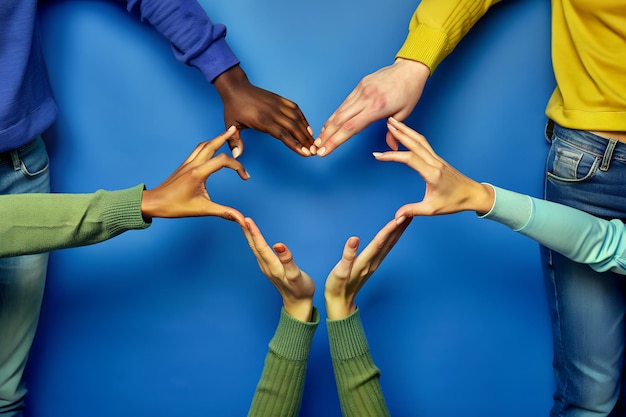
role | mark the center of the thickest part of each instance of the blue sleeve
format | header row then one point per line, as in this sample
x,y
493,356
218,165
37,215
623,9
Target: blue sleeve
x,y
578,235
195,40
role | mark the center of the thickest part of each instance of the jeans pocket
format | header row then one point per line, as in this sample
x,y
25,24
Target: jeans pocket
x,y
569,163
34,160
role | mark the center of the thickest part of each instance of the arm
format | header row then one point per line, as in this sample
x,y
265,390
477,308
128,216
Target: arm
x,y
35,223
358,378
280,388
575,234
436,27
580,236
196,41
279,391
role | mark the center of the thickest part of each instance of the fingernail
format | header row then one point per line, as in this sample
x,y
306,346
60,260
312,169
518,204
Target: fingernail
x,y
392,119
305,151
313,150
231,128
247,174
377,154
308,129
391,127
236,152
400,220
318,142
321,151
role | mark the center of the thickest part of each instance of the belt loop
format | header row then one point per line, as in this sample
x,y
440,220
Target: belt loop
x,y
15,158
608,154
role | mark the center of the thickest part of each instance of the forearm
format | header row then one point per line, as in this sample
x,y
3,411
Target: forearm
x,y
196,41
358,378
35,223
437,26
280,388
573,233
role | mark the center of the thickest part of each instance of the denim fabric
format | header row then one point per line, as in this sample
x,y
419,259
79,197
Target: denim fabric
x,y
22,279
588,172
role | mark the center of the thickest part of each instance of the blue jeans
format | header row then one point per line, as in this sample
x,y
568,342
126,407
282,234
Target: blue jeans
x,y
22,279
588,172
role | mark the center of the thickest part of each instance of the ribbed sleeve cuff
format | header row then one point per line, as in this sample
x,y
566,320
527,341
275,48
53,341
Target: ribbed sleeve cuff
x,y
293,338
123,210
425,44
347,337
215,60
510,208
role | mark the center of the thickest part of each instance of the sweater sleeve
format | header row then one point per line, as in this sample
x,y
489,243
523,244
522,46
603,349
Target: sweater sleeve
x,y
279,391
573,233
195,40
437,26
358,378
35,223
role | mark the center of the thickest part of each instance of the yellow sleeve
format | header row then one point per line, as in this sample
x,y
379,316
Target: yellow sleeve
x,y
437,26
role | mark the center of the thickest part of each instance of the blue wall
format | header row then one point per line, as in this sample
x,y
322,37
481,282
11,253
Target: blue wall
x,y
175,320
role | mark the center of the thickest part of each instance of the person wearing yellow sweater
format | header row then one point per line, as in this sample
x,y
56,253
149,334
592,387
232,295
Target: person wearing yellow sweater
x,y
586,129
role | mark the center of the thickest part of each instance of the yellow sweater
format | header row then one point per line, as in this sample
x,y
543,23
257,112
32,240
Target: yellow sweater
x,y
588,54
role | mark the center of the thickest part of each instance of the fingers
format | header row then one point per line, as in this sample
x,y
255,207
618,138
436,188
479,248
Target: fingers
x,y
294,130
208,148
206,169
235,144
292,271
343,268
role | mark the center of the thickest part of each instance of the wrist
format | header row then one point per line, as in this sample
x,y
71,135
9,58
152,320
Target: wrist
x,y
339,309
301,310
149,206
228,81
484,197
416,68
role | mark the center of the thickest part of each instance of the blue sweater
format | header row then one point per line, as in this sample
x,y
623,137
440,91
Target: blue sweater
x,y
27,106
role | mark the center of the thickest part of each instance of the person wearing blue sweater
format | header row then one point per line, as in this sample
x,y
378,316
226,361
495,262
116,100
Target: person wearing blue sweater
x,y
27,109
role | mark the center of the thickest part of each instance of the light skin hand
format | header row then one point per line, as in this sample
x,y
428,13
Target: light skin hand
x,y
248,106
447,190
184,193
391,91
294,285
352,271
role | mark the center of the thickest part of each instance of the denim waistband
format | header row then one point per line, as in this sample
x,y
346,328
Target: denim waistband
x,y
6,156
589,141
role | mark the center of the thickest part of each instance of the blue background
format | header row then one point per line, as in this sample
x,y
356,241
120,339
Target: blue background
x,y
175,320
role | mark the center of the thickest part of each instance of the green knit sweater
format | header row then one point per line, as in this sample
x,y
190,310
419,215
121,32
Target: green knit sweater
x,y
35,223
279,392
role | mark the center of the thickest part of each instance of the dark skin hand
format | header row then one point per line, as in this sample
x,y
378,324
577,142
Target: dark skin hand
x,y
248,106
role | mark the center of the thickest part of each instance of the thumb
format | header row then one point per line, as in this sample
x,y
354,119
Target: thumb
x,y
236,144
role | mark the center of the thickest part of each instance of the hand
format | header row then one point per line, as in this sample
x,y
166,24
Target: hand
x,y
391,91
447,190
352,272
293,284
184,194
248,106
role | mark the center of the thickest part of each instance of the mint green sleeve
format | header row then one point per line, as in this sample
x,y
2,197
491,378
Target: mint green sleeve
x,y
358,378
573,233
280,388
35,223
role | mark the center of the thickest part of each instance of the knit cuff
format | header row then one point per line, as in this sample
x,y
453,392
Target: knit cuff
x,y
215,60
347,337
293,338
123,210
425,44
